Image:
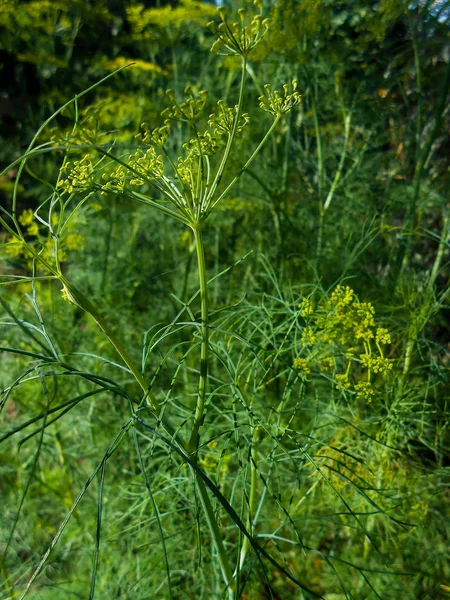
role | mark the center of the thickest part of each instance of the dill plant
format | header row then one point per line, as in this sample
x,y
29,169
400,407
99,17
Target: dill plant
x,y
265,403
189,195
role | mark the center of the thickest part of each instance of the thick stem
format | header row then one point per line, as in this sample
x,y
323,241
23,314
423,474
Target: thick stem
x,y
252,496
199,414
216,535
201,396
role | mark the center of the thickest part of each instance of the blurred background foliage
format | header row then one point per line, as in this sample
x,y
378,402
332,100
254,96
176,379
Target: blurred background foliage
x,y
353,188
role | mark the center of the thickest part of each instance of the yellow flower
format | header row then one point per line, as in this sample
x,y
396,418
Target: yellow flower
x,y
364,390
302,365
33,229
343,382
14,249
308,337
27,217
74,241
383,336
382,365
326,364
342,296
306,307
79,177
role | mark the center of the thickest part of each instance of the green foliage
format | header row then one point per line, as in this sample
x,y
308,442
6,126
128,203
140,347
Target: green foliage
x,y
224,297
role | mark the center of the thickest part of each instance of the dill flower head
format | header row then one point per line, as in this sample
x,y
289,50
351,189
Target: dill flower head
x,y
27,220
78,177
239,38
223,122
302,365
342,333
279,103
306,307
187,110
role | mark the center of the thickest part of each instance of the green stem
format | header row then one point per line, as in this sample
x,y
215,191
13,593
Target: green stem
x,y
252,496
337,177
443,245
321,171
192,446
287,145
417,66
159,206
216,535
6,582
201,397
320,163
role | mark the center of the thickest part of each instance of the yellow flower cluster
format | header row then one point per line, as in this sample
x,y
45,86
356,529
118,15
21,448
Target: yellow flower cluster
x,y
364,390
343,382
222,123
306,307
141,168
346,319
205,143
189,109
154,137
302,365
74,241
27,220
186,169
239,38
308,338
114,181
148,164
377,364
382,336
342,330
147,23
140,65
14,249
277,103
79,176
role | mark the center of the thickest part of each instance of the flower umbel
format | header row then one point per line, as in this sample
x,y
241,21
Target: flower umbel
x,y
189,109
341,332
222,123
239,38
278,103
148,164
154,137
79,177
